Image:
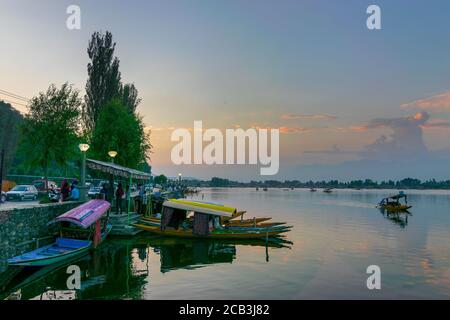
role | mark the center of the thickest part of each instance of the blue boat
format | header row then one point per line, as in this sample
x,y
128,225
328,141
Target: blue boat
x,y
62,249
87,221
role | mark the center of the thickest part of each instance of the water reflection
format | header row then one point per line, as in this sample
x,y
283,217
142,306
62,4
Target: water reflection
x,y
120,267
399,218
336,237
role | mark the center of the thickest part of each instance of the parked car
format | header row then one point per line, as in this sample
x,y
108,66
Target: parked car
x,y
22,192
93,192
3,197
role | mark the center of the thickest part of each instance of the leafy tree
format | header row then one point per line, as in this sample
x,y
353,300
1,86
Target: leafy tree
x,y
129,96
10,120
161,179
49,129
119,130
103,77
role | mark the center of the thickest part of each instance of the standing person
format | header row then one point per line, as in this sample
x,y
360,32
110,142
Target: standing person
x,y
65,190
144,202
127,195
119,195
140,198
104,192
75,192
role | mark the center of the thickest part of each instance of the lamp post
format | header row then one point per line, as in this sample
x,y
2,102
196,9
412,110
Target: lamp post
x,y
179,177
112,154
83,148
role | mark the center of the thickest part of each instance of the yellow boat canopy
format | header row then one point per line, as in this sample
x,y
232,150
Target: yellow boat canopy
x,y
201,207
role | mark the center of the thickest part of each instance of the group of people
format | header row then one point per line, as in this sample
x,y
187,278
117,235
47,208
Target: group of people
x,y
117,196
120,195
70,192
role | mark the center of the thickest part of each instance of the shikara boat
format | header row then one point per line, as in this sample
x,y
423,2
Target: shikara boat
x,y
250,226
214,234
245,222
393,203
191,219
80,229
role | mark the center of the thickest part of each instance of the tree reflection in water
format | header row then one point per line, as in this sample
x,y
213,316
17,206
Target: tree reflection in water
x,y
111,271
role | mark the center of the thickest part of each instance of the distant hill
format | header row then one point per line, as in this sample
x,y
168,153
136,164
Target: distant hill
x,y
10,120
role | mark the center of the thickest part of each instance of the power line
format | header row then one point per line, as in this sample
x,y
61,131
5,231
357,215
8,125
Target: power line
x,y
13,95
12,102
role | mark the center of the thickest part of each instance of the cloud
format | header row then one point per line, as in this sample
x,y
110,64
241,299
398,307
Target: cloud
x,y
439,102
290,130
437,124
334,150
284,129
406,139
292,116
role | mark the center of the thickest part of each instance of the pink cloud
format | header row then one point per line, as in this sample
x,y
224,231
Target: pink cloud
x,y
439,102
292,116
289,130
437,124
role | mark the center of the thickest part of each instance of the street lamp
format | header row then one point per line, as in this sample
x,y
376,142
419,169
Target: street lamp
x,y
83,148
112,154
179,177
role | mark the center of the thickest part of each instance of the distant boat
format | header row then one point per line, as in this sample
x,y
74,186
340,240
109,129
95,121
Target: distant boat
x,y
257,189
265,189
393,203
328,190
313,190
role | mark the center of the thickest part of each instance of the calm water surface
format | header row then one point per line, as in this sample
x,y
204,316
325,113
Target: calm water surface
x,y
335,238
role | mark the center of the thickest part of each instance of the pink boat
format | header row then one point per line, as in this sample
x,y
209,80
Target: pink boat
x,y
77,242
86,214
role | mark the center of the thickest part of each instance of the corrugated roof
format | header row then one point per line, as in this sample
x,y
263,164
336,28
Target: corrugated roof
x,y
117,170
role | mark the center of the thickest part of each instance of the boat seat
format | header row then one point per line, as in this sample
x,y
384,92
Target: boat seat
x,y
57,250
71,243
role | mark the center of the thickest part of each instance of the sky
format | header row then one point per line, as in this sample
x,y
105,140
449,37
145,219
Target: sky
x,y
349,102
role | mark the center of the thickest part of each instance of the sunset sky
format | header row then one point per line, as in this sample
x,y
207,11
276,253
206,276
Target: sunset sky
x,y
349,102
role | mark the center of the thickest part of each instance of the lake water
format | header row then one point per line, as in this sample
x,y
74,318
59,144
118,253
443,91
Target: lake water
x,y
335,238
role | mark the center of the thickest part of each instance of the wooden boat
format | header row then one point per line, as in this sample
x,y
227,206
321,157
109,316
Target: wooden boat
x,y
259,228
396,208
250,226
245,221
227,222
223,234
205,222
80,230
328,190
312,190
393,204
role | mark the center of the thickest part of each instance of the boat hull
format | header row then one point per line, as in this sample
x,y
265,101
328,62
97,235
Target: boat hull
x,y
45,261
395,208
225,234
47,255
